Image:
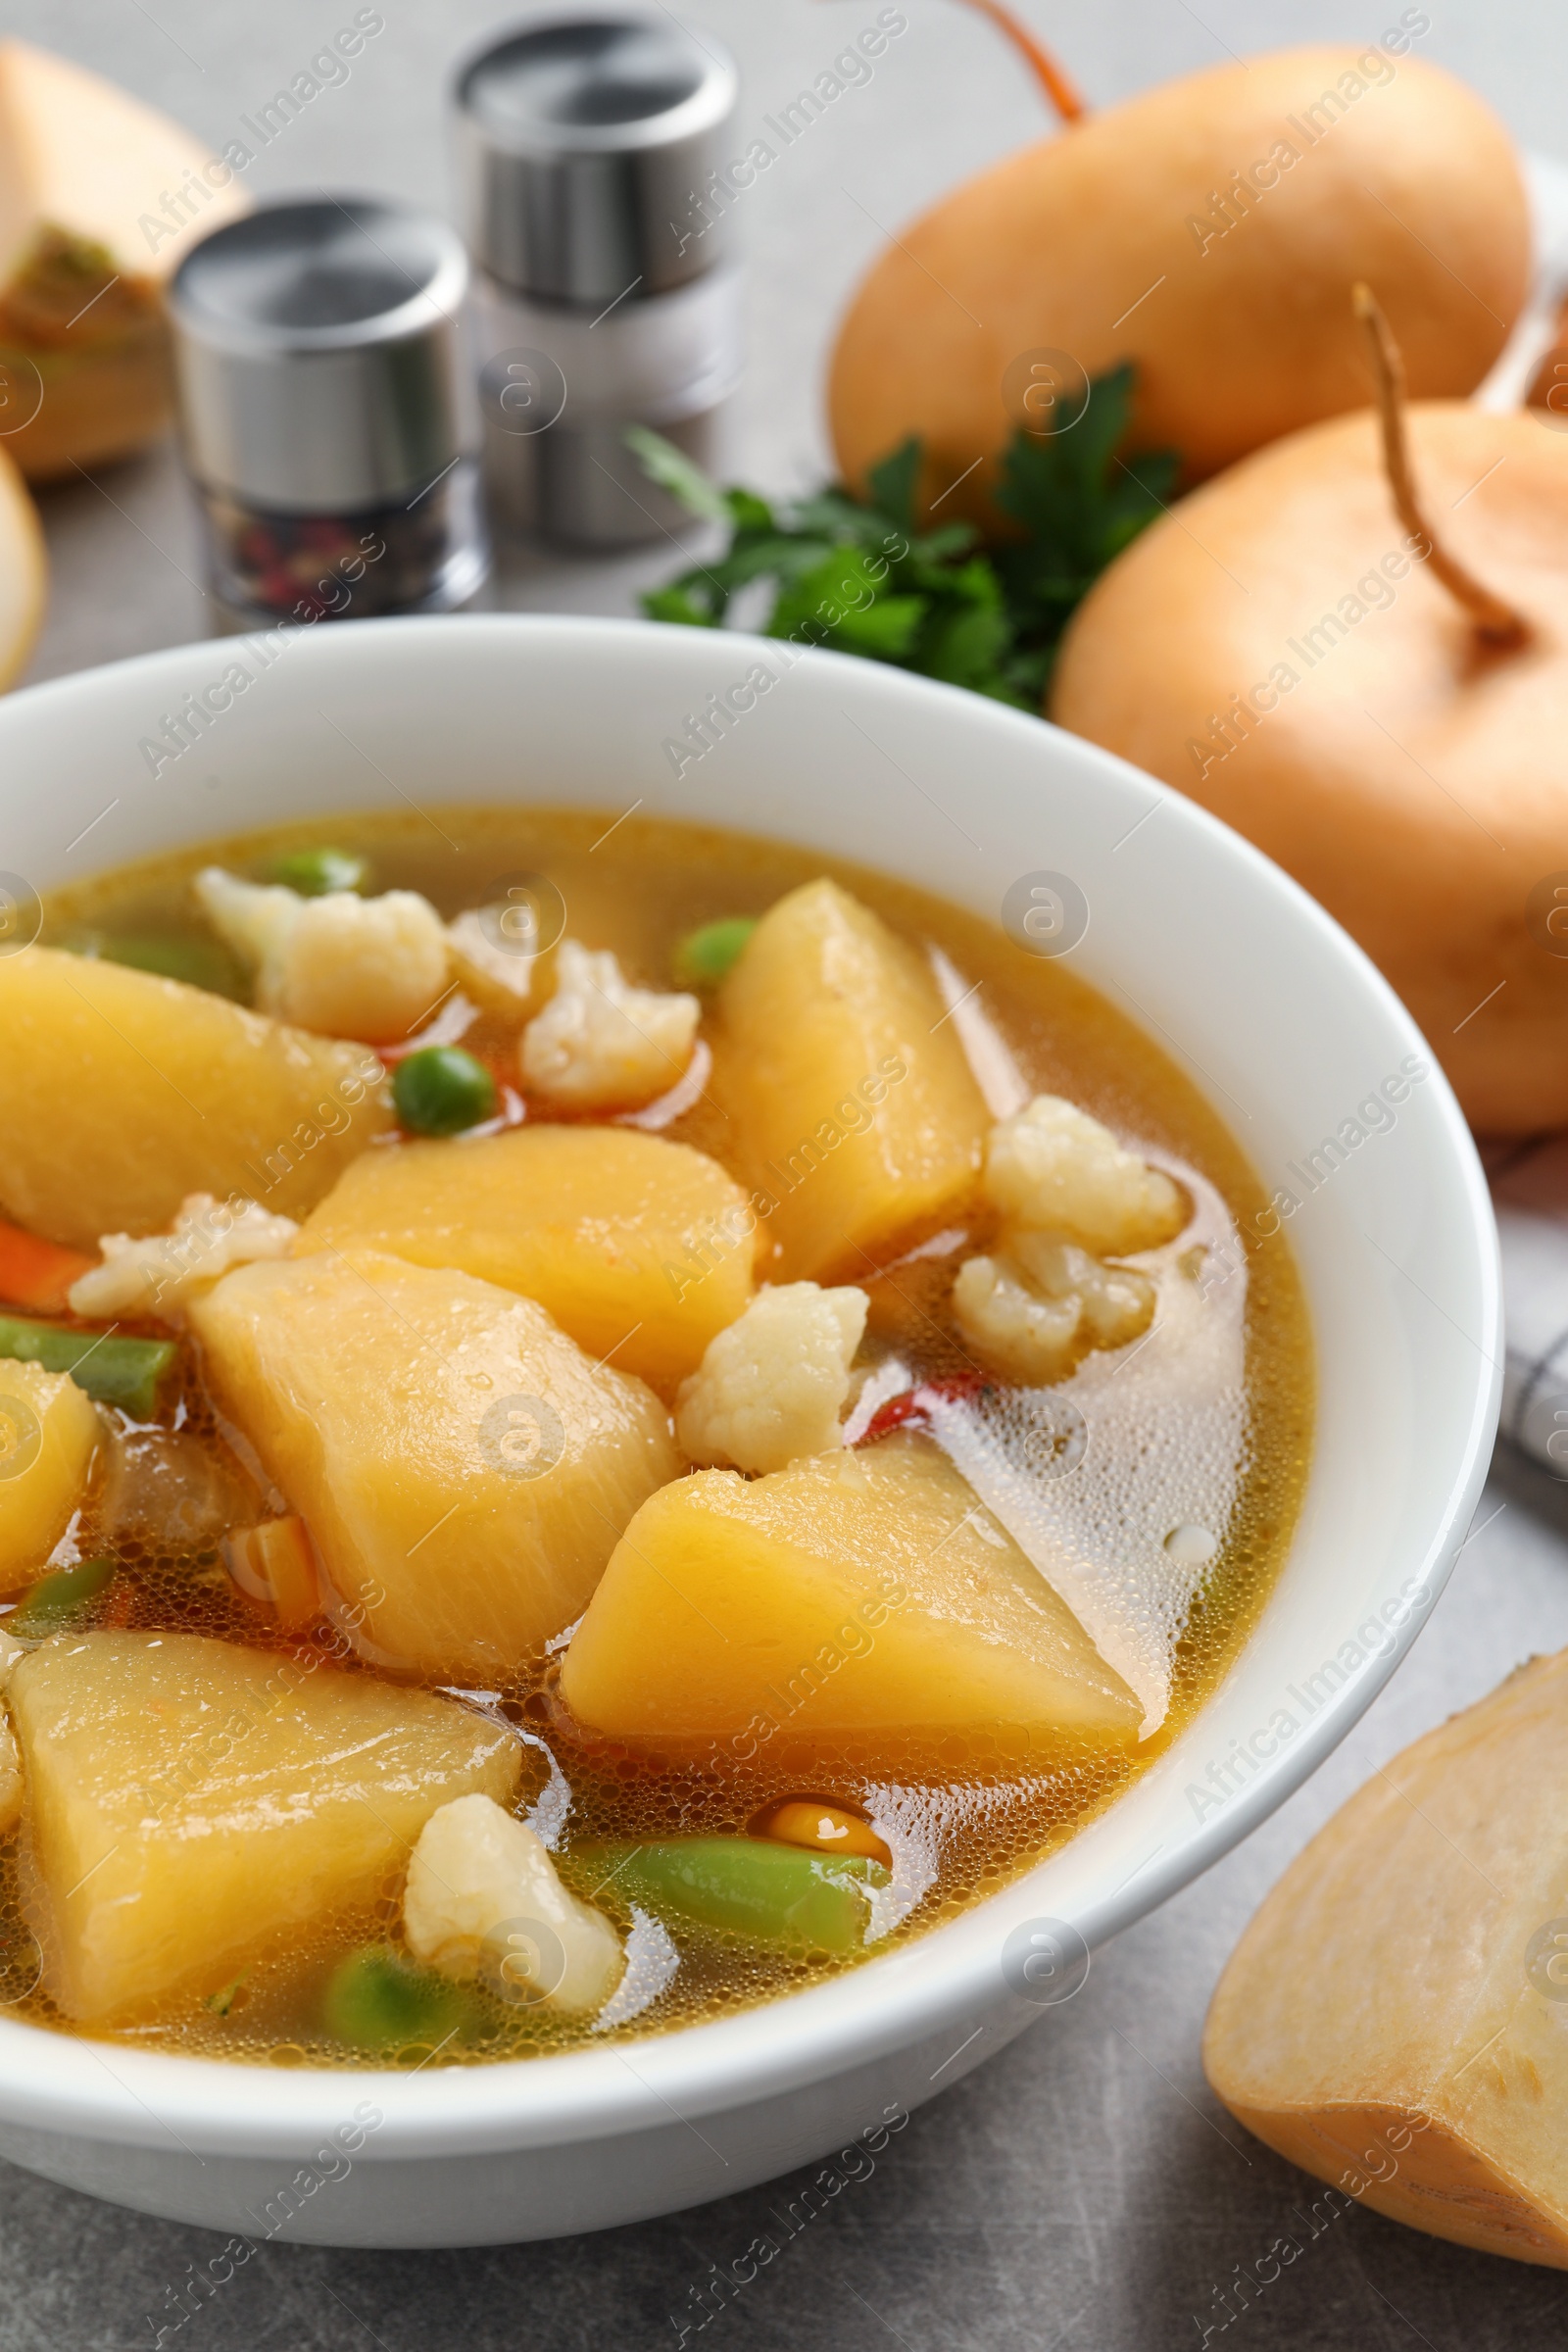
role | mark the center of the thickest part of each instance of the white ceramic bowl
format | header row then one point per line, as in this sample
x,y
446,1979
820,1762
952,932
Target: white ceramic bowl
x,y
1279,1018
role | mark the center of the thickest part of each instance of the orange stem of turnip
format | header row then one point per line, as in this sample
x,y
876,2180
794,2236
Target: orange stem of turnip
x,y
1063,94
1499,623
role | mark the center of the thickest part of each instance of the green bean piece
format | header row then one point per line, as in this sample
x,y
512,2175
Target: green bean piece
x,y
59,1601
705,954
315,873
441,1091
109,1365
747,1886
376,2000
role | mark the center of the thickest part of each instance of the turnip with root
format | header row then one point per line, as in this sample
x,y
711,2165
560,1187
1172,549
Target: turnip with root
x,y
1351,647
1205,230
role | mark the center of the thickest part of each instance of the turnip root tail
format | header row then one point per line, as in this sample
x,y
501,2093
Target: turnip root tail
x,y
1063,95
1495,621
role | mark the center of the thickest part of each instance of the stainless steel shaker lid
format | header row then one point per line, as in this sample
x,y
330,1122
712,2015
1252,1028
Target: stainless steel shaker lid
x,y
317,349
584,143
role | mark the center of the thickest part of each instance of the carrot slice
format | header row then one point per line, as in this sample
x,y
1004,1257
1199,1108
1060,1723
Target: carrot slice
x,y
36,1274
822,1828
276,1563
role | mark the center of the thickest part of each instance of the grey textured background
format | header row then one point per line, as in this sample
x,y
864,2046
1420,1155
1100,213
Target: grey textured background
x,y
1086,2193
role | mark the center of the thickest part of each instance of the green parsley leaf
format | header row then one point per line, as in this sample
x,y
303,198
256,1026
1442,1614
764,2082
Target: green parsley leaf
x,y
860,576
672,469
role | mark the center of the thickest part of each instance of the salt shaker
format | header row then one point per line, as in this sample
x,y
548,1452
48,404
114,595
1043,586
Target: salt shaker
x,y
326,416
606,292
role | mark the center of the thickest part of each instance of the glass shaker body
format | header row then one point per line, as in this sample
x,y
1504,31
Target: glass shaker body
x,y
327,414
558,389
425,554
582,142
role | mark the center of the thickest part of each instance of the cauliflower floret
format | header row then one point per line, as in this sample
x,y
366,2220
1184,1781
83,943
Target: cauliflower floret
x,y
1053,1167
496,968
770,1386
1020,1334
1116,1304
373,969
348,966
157,1276
10,1776
1039,1303
254,918
602,1044
482,1892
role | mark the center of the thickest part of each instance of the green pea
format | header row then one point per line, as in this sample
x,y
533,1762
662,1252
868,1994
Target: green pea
x,y
441,1089
707,953
747,1886
60,1600
377,2000
315,872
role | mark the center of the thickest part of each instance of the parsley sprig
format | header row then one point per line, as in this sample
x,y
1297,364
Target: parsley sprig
x,y
860,576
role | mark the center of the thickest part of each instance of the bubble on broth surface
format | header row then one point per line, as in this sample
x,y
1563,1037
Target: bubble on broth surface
x,y
1192,1547
652,1960
20,1959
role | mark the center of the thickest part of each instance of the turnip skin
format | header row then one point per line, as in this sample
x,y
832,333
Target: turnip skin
x,y
1085,244
1415,782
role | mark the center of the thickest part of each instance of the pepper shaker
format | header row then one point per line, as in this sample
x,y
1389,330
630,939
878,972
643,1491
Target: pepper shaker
x,y
605,293
327,417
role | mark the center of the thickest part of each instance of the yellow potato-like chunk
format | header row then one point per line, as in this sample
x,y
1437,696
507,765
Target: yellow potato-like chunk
x,y
48,1433
120,1094
463,1470
852,1103
190,1802
1393,2017
851,1592
11,1789
639,1248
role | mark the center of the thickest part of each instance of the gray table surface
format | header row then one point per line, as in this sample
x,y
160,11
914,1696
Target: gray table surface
x,y
1086,2192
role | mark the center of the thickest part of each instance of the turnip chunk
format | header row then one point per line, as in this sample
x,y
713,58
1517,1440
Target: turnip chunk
x,y
157,1276
11,1654
1393,2017
10,1776
347,966
49,1433
601,1043
770,1388
463,1468
1053,1168
481,1887
192,1803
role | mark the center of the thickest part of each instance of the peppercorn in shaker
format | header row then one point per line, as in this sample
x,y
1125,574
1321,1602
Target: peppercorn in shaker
x,y
325,413
605,291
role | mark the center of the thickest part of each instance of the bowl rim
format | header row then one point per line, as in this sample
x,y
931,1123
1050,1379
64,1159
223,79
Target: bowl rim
x,y
913,1995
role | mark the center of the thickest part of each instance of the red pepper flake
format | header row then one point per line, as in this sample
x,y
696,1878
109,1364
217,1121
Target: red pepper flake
x,y
915,1405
